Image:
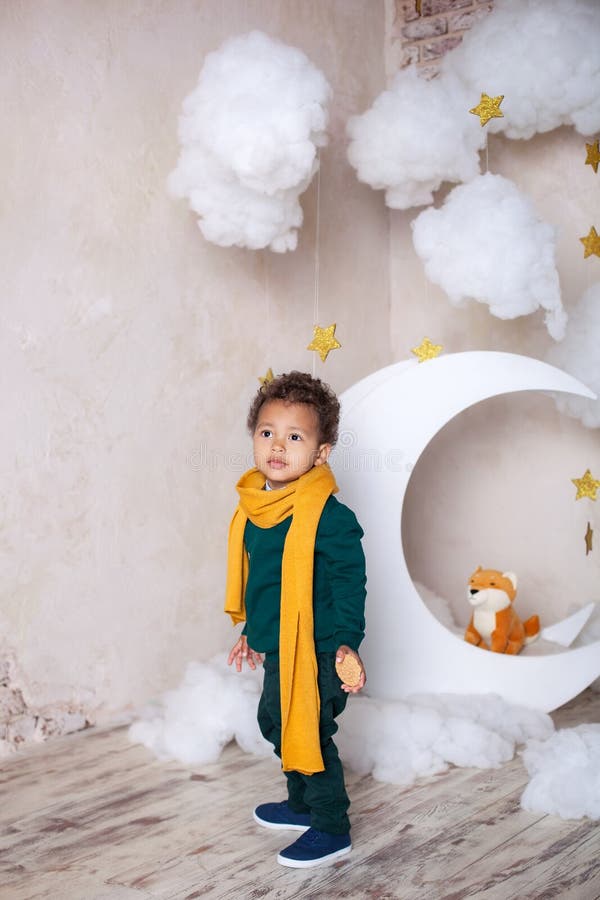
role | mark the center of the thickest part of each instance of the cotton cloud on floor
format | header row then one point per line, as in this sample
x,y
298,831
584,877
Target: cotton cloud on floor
x,y
578,354
249,134
213,705
565,773
486,243
396,741
542,55
399,741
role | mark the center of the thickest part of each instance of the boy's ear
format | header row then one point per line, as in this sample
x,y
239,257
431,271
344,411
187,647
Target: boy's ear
x,y
323,454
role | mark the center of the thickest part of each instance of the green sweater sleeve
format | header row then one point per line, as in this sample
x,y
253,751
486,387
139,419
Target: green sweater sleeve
x,y
340,569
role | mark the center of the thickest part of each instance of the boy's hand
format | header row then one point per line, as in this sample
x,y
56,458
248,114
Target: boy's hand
x,y
341,653
240,652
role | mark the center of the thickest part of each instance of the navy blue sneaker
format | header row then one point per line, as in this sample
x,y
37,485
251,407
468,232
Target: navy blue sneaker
x,y
279,815
315,848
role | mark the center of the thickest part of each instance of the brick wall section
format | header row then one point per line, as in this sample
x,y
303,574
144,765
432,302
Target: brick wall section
x,y
21,724
424,37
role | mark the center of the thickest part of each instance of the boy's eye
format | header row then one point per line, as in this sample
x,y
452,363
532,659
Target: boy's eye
x,y
266,433
295,437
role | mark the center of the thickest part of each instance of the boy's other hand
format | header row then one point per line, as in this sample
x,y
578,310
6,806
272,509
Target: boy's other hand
x,y
240,652
340,655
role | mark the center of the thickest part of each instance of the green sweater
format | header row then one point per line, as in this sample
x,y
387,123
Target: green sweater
x,y
338,582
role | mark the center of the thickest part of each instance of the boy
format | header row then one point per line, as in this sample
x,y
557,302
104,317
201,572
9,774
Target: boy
x,y
296,574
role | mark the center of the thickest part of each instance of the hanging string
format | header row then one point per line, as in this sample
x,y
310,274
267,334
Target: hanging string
x,y
487,160
574,176
317,259
265,257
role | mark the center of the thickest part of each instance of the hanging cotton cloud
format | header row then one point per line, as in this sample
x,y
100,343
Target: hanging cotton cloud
x,y
578,354
414,137
249,135
565,773
486,243
542,55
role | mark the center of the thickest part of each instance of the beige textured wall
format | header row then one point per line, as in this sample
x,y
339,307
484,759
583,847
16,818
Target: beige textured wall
x,y
130,347
494,487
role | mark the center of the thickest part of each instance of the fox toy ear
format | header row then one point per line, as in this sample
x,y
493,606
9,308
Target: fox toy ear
x,y
511,577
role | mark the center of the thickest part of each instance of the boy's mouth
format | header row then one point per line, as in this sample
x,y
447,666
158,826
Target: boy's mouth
x,y
277,463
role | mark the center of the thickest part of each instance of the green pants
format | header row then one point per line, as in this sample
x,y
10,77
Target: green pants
x,y
322,794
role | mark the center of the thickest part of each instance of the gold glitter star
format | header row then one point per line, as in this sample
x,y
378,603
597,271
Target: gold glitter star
x,y
324,341
427,350
591,242
589,536
267,378
593,155
488,108
586,486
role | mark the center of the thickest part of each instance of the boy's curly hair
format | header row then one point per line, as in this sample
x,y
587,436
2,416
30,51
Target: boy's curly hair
x,y
300,387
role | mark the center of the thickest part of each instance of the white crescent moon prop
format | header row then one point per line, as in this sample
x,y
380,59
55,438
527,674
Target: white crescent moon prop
x,y
387,421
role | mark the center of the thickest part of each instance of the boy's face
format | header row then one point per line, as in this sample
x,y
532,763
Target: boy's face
x,y
286,442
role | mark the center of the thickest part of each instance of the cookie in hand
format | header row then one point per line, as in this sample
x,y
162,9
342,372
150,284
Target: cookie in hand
x,y
349,670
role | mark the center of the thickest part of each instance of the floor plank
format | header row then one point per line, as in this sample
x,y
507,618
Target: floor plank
x,y
92,816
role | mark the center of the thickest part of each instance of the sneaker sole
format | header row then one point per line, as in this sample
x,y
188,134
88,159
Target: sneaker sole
x,y
310,863
279,826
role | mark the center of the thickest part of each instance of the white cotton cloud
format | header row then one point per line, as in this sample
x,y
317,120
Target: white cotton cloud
x,y
414,137
394,741
399,741
214,705
440,607
249,134
486,243
543,56
578,354
564,773
591,633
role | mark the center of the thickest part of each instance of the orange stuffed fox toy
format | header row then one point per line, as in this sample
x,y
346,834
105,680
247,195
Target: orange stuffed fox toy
x,y
494,624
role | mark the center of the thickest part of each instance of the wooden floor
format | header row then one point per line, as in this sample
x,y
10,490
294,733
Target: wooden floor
x,y
92,816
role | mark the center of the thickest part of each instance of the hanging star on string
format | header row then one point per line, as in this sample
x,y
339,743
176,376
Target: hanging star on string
x,y
427,350
589,535
324,341
591,243
267,378
488,108
586,486
593,155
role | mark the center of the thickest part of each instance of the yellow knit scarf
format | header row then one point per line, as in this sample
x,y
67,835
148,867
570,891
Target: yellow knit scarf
x,y
303,499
